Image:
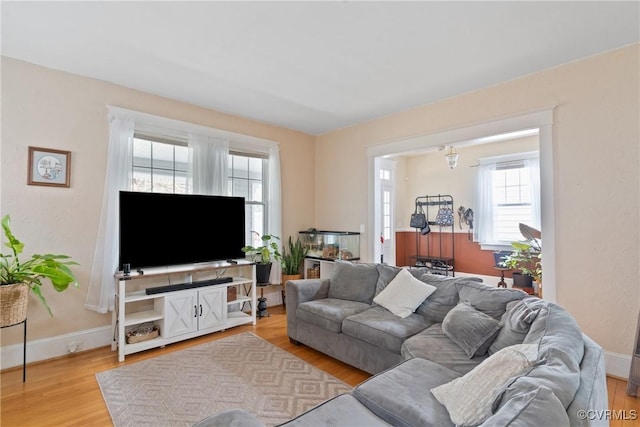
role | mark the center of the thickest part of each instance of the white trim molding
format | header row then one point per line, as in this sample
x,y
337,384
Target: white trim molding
x,y
617,365
51,347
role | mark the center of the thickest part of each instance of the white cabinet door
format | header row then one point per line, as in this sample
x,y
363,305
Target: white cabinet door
x,y
181,313
211,307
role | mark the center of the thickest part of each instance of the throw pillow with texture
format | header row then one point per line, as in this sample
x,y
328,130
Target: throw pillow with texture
x,y
469,399
472,330
403,294
516,322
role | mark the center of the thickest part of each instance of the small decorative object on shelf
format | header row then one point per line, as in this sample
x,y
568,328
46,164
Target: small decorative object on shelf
x,y
143,333
313,272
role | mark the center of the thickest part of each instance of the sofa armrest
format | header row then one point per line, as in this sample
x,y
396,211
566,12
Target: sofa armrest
x,y
299,291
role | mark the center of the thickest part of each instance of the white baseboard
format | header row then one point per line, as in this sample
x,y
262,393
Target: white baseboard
x,y
618,365
48,348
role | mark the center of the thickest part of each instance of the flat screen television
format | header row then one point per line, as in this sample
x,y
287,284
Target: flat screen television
x,y
158,229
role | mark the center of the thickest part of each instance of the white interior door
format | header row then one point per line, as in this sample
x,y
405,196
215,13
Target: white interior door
x,y
385,251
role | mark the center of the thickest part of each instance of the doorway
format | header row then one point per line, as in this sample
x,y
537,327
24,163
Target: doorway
x,y
541,120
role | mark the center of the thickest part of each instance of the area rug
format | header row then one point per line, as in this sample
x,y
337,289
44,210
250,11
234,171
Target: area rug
x,y
240,371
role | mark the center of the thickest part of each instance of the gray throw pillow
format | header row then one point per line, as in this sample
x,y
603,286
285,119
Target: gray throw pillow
x,y
516,322
353,282
488,299
444,298
472,330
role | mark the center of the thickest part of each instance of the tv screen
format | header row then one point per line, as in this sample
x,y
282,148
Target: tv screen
x,y
158,229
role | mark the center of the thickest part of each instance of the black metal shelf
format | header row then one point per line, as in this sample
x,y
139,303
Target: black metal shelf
x,y
440,263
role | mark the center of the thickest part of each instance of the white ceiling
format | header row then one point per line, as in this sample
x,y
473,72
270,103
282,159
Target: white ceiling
x,y
312,66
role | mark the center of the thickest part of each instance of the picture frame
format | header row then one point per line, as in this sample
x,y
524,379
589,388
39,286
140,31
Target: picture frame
x,y
49,167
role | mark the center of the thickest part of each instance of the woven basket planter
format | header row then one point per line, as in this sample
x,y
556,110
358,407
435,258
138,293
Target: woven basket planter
x,y
13,304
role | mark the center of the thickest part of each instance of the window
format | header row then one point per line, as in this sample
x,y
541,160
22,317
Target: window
x,y
508,194
159,166
247,178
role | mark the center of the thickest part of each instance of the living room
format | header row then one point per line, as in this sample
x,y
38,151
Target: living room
x,y
326,180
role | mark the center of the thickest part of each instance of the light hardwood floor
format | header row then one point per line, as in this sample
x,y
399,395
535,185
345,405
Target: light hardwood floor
x,y
64,391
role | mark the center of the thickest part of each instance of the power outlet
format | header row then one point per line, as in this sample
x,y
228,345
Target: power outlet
x,y
74,346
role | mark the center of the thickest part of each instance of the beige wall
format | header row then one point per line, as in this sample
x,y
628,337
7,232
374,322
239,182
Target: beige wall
x,y
46,108
596,180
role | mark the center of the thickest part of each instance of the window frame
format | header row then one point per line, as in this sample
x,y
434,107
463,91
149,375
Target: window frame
x,y
182,142
516,160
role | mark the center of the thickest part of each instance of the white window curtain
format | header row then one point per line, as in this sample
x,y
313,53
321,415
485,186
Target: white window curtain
x,y
208,165
275,207
100,295
483,227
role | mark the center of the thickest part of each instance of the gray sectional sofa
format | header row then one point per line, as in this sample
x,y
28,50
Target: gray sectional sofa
x,y
437,364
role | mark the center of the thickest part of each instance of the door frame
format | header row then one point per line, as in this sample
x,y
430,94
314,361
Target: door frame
x,y
541,119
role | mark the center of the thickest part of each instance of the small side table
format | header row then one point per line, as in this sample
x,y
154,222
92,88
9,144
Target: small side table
x,y
262,301
24,347
501,283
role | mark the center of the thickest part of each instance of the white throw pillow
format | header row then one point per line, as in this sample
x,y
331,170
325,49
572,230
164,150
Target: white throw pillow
x,y
404,294
469,398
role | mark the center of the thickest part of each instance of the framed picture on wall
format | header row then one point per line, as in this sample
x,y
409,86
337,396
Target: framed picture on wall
x,y
49,167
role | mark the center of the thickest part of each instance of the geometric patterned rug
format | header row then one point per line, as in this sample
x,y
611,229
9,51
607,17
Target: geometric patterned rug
x,y
239,371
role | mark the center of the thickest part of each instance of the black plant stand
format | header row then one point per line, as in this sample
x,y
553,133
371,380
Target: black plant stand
x,y
262,302
24,348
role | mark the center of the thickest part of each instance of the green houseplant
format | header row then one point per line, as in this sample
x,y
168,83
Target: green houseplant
x,y
264,255
292,260
20,275
527,255
292,264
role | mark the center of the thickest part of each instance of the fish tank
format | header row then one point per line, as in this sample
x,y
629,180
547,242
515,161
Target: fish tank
x,y
331,245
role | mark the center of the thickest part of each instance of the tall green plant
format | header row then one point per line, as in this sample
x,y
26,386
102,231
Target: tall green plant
x,y
292,261
34,270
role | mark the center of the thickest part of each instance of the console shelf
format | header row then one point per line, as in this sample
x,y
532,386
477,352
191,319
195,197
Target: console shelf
x,y
182,313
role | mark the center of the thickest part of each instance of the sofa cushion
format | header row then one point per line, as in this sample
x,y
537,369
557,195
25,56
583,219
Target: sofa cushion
x,y
328,313
400,395
444,298
561,349
432,344
472,330
538,407
488,299
353,282
334,412
516,322
469,399
380,327
386,273
404,294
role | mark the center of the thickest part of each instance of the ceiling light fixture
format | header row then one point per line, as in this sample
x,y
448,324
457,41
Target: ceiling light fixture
x,y
452,157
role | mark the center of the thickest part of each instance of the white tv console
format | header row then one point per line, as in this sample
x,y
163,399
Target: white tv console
x,y
183,313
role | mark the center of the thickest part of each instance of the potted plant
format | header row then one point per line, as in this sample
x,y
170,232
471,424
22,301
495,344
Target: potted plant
x,y
263,256
292,260
526,258
18,277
